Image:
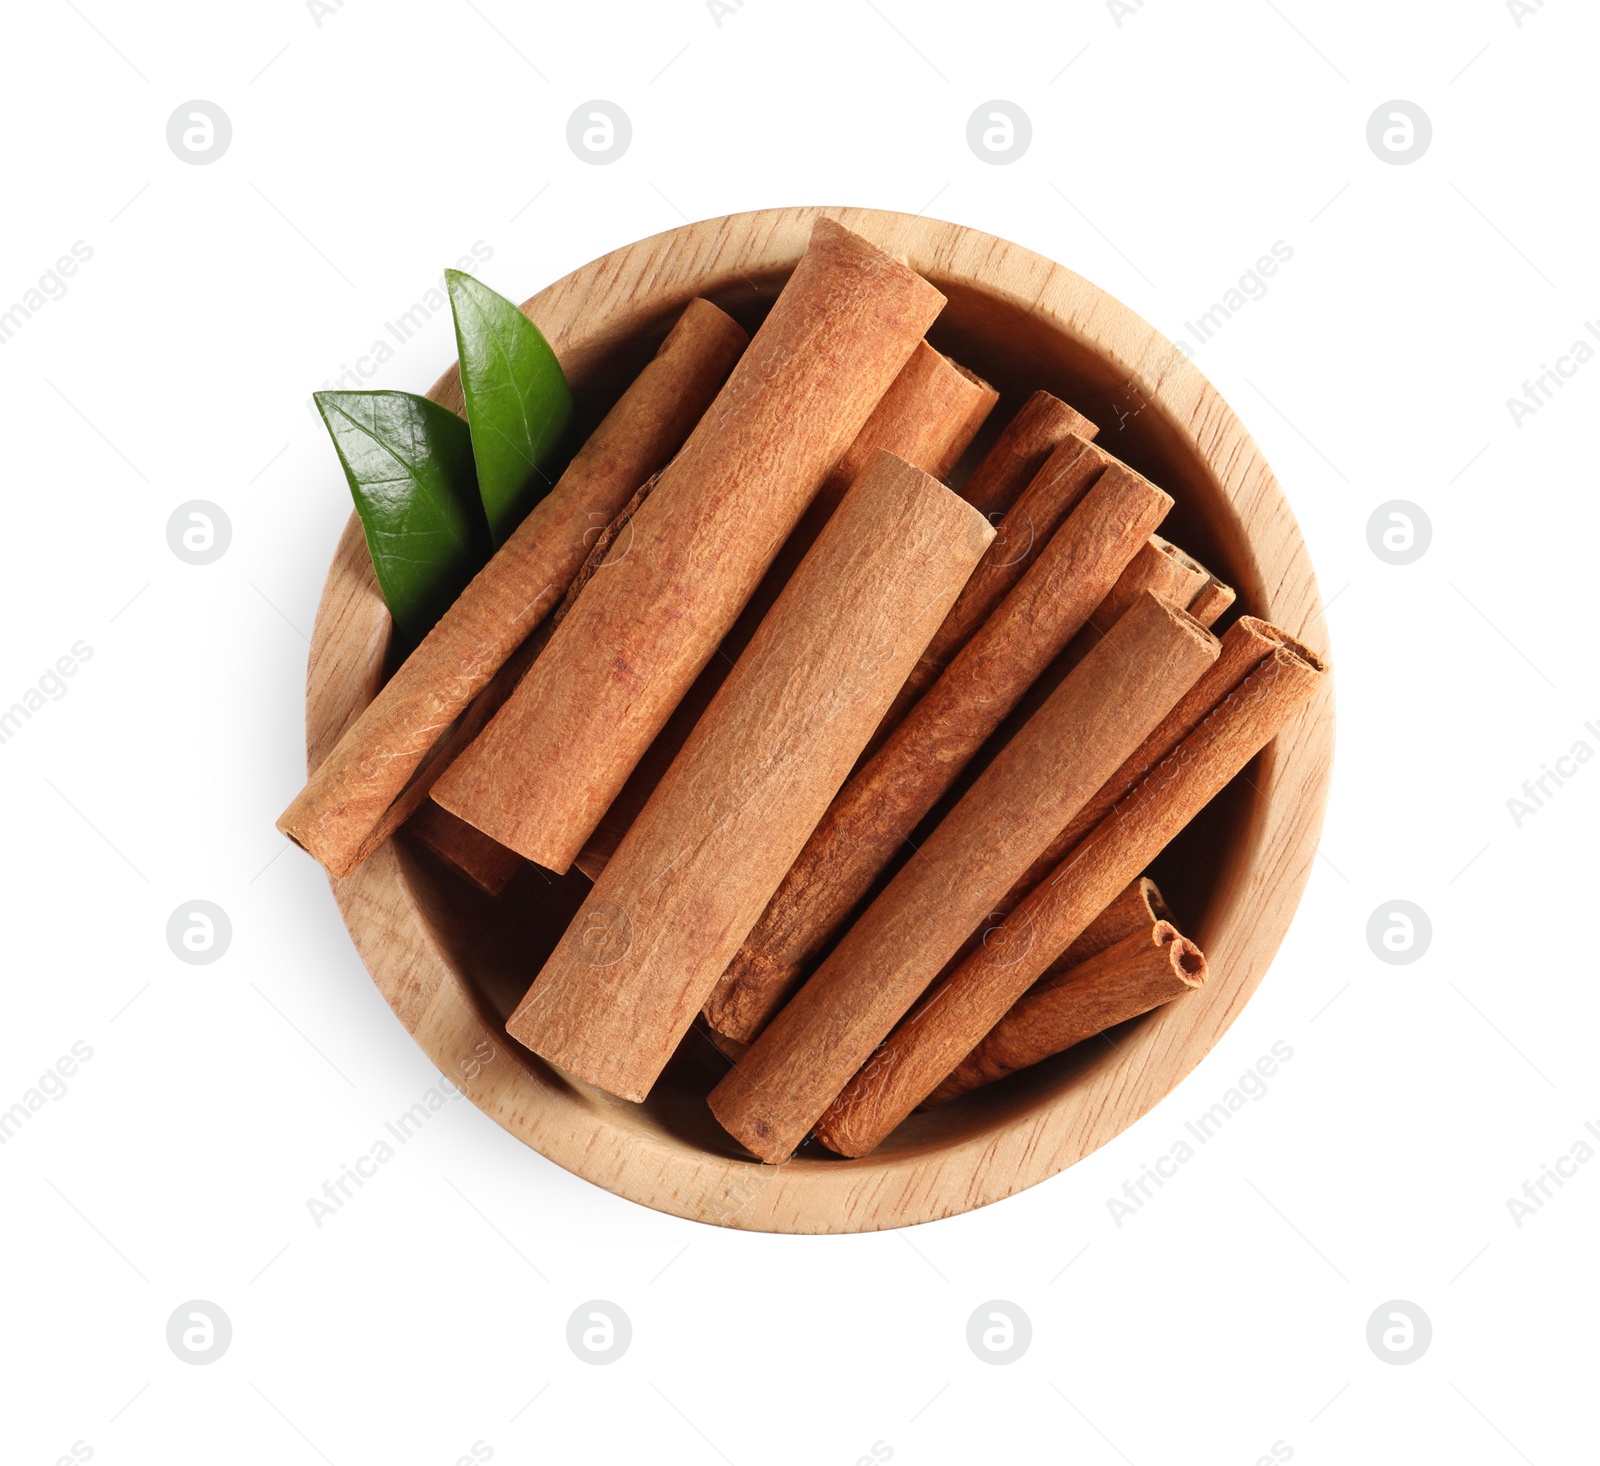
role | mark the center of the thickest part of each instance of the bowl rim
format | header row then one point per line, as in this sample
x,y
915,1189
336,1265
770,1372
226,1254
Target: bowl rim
x,y
619,1149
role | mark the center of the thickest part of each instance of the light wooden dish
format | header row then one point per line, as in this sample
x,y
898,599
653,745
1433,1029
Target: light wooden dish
x,y
453,964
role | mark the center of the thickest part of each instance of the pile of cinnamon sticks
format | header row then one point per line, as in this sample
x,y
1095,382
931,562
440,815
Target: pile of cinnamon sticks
x,y
866,771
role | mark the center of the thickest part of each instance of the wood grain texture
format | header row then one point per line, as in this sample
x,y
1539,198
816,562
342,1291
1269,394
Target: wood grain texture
x,y
1022,321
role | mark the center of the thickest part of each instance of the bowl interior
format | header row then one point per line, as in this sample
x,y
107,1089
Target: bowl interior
x,y
498,946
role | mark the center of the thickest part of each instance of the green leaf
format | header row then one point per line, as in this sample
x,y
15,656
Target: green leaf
x,y
518,404
409,463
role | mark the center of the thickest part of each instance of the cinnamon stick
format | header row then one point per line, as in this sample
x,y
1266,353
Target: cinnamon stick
x,y
556,755
888,796
779,1090
347,796
1159,569
1245,645
931,412
1138,907
1026,528
1040,426
625,981
1210,601
950,1022
484,862
455,737
1145,969
411,800
928,417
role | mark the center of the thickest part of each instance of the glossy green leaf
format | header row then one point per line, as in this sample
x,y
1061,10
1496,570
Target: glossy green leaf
x,y
518,405
409,463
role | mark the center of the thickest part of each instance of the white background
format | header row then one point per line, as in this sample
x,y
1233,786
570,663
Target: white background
x,y
1168,153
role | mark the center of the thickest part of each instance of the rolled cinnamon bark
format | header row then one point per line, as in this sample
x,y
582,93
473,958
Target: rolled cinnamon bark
x,y
1041,425
927,417
931,412
807,1053
409,802
347,796
1159,569
625,981
472,720
1245,645
888,796
1137,908
1210,601
1024,531
557,754
484,862
1145,969
620,528
950,1022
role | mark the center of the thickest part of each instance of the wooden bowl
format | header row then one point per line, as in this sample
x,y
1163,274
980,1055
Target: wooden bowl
x,y
453,963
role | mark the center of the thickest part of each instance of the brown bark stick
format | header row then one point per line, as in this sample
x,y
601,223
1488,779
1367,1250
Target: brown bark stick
x,y
1066,476
949,1023
778,1091
347,796
1159,569
1042,423
1145,969
886,799
1245,645
471,721
1136,908
931,412
927,417
557,754
625,981
1210,601
476,717
484,862
1025,529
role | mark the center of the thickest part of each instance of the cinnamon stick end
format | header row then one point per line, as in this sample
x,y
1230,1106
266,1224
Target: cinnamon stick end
x,y
1189,963
522,1026
337,859
756,1135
